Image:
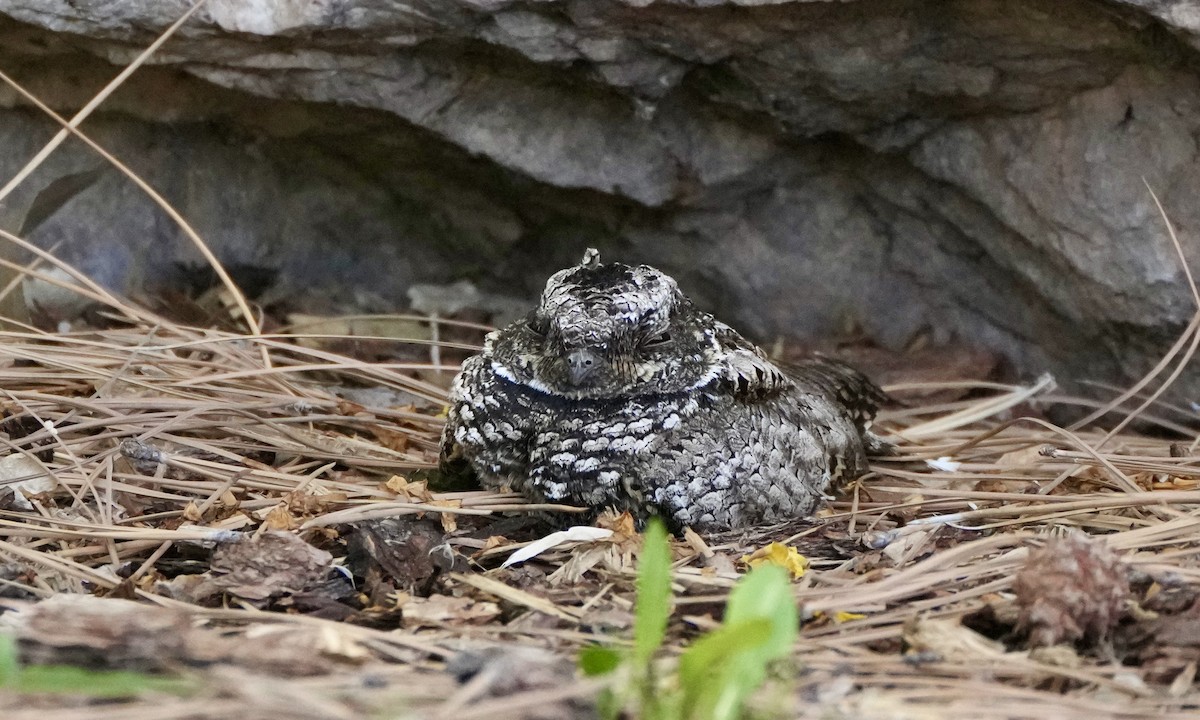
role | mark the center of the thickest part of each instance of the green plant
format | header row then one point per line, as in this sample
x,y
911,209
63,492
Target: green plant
x,y
63,679
718,671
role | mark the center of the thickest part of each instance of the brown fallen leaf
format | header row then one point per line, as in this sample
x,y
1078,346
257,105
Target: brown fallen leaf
x,y
411,491
280,518
440,610
308,504
449,520
255,568
399,548
949,641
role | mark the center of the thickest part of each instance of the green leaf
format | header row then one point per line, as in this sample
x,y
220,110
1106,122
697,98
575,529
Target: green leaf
x,y
706,656
8,660
722,668
766,592
598,660
61,679
608,704
653,594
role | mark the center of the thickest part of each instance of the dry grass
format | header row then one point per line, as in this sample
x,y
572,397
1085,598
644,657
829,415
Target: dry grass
x,y
248,445
250,434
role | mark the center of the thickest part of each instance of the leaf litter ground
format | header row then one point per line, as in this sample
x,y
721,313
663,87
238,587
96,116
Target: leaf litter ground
x,y
255,514
248,516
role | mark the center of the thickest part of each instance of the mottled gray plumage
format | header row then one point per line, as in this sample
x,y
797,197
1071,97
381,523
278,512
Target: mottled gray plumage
x,y
616,392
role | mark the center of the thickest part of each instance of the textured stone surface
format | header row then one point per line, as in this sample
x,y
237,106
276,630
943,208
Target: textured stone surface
x,y
967,169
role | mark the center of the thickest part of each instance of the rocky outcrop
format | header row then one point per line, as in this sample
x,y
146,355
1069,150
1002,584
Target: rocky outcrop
x,y
966,169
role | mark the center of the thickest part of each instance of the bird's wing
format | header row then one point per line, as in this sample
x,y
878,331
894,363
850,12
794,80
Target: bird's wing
x,y
745,370
840,383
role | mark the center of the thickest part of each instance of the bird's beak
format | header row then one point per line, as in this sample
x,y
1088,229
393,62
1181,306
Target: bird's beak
x,y
581,364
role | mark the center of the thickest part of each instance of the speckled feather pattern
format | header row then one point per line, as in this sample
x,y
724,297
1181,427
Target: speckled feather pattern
x,y
682,417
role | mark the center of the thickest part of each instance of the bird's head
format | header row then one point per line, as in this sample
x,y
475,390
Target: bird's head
x,y
609,330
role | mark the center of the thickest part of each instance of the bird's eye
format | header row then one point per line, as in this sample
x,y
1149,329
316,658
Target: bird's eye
x,y
658,341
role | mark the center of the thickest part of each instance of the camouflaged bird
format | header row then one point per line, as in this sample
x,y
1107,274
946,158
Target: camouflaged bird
x,y
616,392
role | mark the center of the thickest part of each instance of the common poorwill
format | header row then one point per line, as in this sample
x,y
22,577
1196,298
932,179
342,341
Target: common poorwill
x,y
617,392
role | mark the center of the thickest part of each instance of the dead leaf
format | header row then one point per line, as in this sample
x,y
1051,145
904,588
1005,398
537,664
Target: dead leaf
x,y
1028,457
415,491
948,640
785,556
444,609
26,477
391,439
274,563
280,518
400,547
191,512
573,570
449,520
304,503
905,545
351,409
622,525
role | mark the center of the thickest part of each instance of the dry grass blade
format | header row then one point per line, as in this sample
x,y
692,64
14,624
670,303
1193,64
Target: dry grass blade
x,y
161,436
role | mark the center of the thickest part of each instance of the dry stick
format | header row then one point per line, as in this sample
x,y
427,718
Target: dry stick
x,y
1182,467
1131,500
395,637
1134,390
1175,407
292,327
51,527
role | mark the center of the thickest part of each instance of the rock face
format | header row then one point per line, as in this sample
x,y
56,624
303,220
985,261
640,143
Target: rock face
x,y
962,169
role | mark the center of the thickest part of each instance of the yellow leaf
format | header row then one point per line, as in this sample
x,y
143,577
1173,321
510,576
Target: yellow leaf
x,y
418,491
841,616
784,556
449,520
